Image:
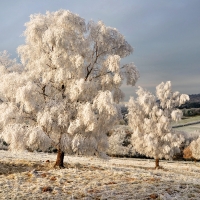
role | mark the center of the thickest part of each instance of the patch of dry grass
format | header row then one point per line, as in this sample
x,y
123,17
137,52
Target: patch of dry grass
x,y
19,166
32,176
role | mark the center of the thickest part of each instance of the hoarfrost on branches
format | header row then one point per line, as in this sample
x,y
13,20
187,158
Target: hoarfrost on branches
x,y
149,118
11,65
65,92
119,142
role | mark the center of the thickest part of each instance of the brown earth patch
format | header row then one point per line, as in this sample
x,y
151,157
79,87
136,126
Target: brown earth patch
x,y
19,166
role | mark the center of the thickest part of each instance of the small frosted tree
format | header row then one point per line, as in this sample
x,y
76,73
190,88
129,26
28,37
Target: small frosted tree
x,y
150,120
67,93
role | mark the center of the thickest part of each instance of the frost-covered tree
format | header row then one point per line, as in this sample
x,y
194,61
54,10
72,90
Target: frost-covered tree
x,y
150,120
67,94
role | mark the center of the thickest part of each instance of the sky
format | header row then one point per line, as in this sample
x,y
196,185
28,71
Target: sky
x,y
165,35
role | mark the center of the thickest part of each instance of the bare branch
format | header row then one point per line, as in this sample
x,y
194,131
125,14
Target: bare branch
x,y
102,74
89,71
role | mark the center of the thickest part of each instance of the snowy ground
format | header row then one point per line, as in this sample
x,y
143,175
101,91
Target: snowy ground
x,y
187,120
29,176
190,129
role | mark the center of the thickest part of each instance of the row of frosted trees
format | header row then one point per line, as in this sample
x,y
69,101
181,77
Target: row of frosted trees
x,y
65,92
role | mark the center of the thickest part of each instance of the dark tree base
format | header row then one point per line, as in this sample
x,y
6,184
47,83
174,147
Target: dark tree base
x,y
60,159
157,166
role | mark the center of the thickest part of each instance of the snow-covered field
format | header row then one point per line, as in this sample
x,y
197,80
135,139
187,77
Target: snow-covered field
x,y
31,176
187,120
191,128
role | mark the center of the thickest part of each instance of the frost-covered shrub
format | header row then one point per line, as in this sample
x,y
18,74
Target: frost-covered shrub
x,y
195,148
185,151
119,142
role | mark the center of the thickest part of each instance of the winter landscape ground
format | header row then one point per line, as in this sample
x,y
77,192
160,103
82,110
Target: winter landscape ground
x,y
31,176
193,121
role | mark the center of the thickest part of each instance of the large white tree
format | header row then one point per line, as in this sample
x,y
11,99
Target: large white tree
x,y
67,93
150,119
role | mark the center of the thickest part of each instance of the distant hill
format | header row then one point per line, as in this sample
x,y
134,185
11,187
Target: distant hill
x,y
195,97
194,102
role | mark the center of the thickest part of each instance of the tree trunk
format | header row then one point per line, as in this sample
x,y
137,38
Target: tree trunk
x,y
60,159
157,163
